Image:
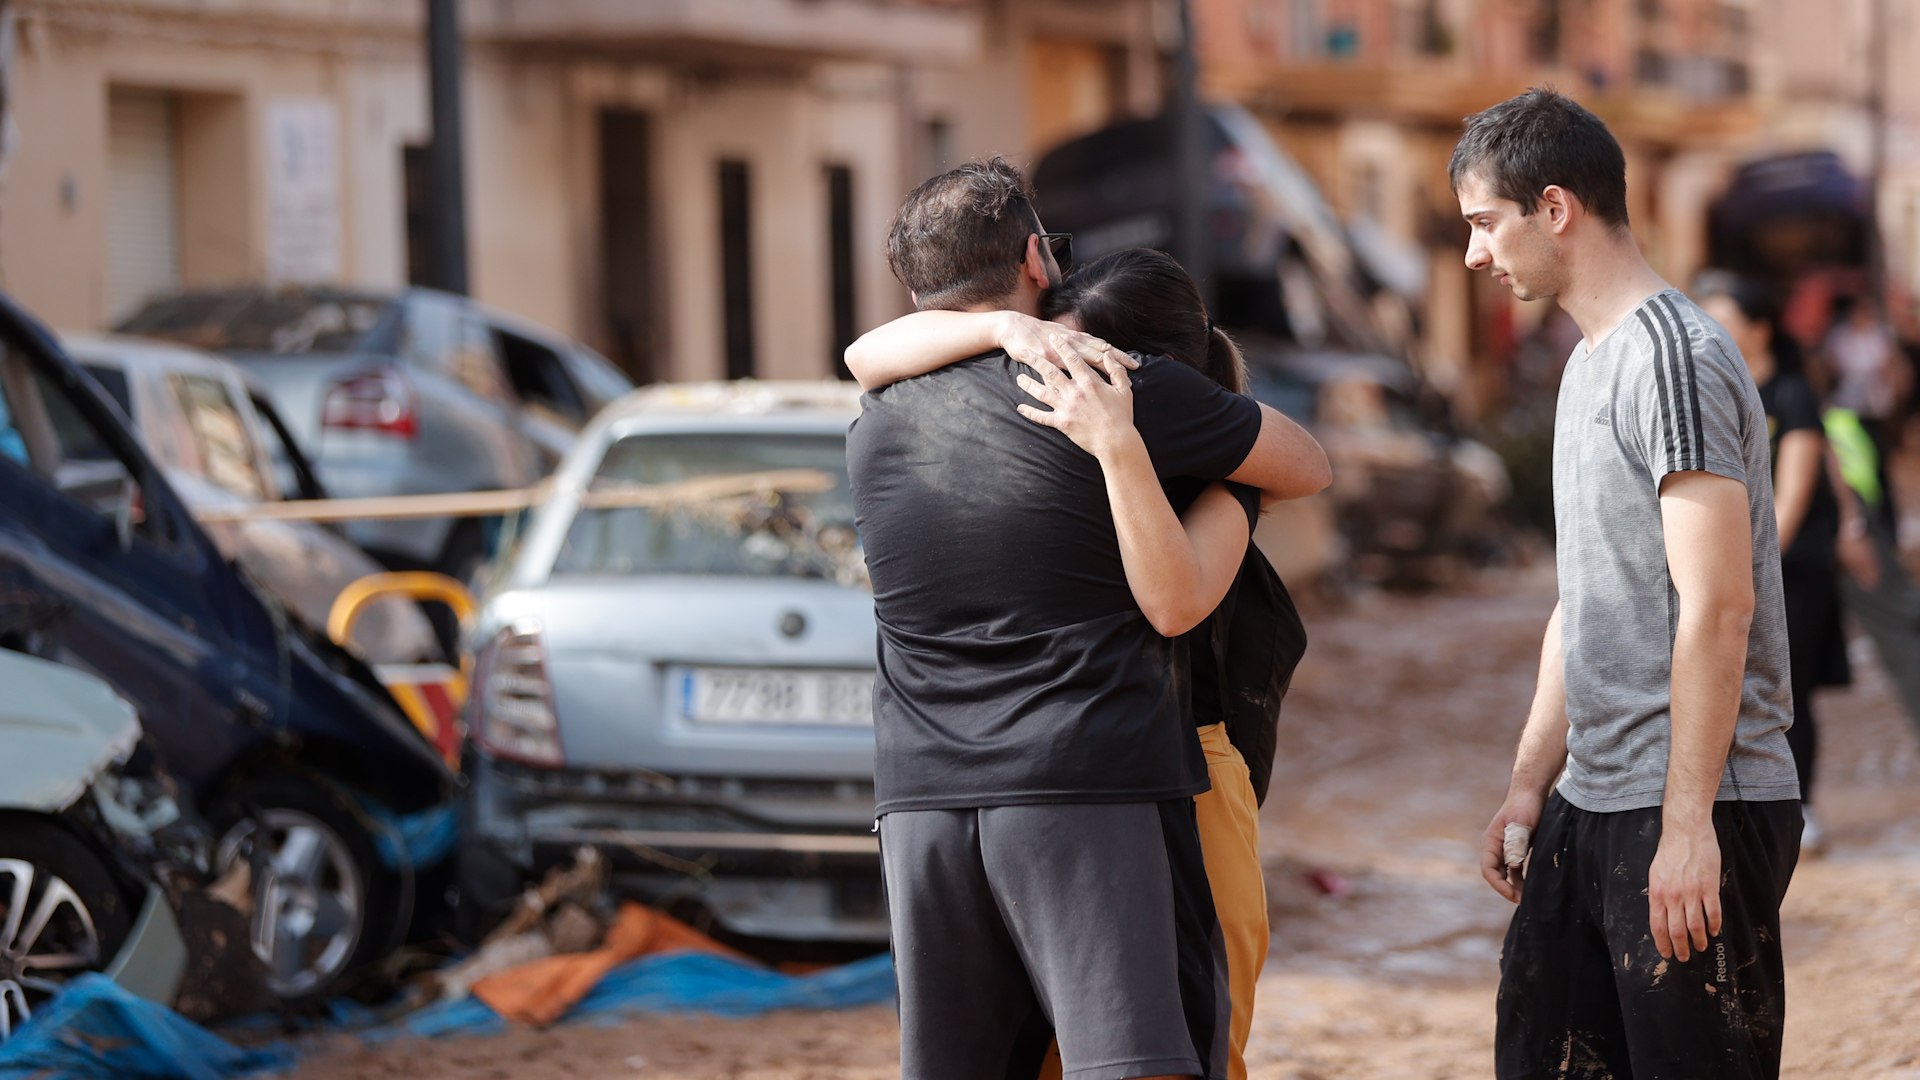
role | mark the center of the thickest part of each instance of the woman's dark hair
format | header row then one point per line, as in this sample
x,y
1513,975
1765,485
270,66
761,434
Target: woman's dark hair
x,y
1760,303
1144,301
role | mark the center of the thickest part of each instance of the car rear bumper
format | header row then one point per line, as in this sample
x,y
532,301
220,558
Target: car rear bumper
x,y
762,870
154,958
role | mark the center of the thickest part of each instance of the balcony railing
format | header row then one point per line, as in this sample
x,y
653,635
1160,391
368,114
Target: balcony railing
x,y
948,30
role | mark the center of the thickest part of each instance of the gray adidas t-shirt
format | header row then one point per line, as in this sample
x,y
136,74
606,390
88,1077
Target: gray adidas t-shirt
x,y
1665,392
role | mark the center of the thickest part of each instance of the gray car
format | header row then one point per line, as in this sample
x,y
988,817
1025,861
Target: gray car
x,y
688,684
403,392
195,415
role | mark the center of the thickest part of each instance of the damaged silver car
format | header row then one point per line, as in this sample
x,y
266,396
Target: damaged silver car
x,y
676,666
79,840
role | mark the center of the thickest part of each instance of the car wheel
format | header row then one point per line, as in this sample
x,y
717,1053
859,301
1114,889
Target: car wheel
x,y
322,899
61,915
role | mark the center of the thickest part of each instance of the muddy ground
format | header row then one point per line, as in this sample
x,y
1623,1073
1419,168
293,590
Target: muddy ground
x,y
1396,745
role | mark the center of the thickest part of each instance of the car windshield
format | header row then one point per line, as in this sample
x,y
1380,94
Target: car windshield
x,y
745,504
292,323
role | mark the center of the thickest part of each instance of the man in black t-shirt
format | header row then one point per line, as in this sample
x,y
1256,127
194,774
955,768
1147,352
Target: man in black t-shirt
x,y
1035,760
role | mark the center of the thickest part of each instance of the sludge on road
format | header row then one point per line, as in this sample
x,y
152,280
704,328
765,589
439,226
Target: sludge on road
x,y
1395,744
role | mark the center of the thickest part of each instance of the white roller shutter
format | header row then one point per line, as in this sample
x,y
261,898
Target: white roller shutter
x,y
143,221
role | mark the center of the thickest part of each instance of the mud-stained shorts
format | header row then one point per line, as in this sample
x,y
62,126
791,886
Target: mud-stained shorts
x,y
1583,992
1010,922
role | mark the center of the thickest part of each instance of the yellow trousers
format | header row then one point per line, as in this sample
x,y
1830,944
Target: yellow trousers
x,y
1230,840
1229,819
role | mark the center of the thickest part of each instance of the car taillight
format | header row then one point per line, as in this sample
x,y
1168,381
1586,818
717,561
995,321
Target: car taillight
x,y
513,712
380,401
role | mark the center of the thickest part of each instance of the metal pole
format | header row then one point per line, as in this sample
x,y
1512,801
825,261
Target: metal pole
x,y
1877,30
1190,157
447,203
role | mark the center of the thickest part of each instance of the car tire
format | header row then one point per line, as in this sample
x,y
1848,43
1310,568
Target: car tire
x,y
324,903
45,866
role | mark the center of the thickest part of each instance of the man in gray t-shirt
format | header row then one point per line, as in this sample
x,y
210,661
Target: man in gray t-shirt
x,y
1666,392
1653,818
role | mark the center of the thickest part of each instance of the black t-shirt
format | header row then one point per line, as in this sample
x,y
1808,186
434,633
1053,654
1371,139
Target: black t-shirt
x,y
1791,405
1014,666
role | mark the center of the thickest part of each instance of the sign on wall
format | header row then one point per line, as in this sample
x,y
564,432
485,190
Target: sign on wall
x,y
303,190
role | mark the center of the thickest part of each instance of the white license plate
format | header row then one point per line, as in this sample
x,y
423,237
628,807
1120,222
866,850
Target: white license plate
x,y
762,696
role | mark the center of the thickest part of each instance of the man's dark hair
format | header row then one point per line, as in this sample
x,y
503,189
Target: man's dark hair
x,y
1541,138
959,238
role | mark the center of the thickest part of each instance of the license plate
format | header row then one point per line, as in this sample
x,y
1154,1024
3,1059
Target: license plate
x,y
760,696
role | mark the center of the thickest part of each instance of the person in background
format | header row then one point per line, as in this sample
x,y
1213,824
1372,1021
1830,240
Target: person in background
x,y
1879,593
1815,522
1871,378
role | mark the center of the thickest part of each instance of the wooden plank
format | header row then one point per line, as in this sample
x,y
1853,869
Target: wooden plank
x,y
514,500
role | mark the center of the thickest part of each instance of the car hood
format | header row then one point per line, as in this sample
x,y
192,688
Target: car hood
x,y
70,725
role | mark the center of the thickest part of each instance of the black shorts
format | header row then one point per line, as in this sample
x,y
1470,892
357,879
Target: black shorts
x,y
1583,992
1012,922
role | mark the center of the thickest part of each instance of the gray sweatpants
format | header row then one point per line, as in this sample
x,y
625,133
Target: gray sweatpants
x,y
1014,923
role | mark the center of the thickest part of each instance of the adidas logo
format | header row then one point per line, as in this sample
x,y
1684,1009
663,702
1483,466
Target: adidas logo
x,y
1605,415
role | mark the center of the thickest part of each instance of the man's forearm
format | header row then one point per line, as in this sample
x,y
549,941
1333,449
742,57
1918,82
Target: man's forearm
x,y
1709,666
1543,744
922,341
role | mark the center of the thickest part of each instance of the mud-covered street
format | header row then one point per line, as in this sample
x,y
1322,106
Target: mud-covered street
x,y
1395,746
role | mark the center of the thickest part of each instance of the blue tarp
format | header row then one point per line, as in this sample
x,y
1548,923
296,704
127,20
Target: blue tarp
x,y
680,982
96,1029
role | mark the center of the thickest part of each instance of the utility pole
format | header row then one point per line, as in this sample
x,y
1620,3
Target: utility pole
x,y
1877,31
1190,157
447,201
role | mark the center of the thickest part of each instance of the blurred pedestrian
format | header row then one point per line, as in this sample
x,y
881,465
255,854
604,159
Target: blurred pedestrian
x,y
1879,592
1872,378
1653,779
1807,510
1196,576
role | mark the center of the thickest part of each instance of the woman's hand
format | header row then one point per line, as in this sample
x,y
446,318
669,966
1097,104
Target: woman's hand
x,y
1040,344
1095,413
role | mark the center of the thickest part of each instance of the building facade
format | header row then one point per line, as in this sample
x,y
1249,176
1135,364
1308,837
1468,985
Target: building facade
x,y
696,189
1369,95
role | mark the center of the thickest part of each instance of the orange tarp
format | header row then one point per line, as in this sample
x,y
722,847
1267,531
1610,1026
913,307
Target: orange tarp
x,y
541,992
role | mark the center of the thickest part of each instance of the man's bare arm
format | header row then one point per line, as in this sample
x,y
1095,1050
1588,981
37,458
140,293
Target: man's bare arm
x,y
1709,542
924,341
1537,763
1285,462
